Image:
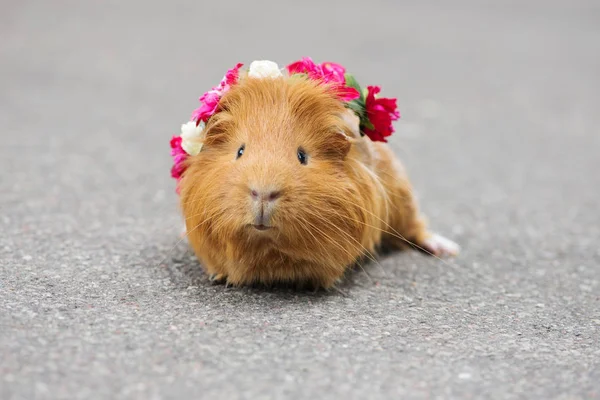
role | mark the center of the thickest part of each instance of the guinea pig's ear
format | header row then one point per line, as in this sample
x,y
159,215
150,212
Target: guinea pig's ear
x,y
347,133
339,144
352,122
218,128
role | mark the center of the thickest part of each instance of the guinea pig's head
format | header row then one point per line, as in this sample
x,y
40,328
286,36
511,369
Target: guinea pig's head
x,y
275,171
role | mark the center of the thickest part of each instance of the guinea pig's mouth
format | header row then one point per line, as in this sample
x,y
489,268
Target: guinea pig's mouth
x,y
262,227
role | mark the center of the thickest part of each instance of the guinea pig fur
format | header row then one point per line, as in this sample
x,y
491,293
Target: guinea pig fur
x,y
285,190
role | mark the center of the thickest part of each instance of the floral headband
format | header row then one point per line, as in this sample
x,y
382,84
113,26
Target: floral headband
x,y
375,113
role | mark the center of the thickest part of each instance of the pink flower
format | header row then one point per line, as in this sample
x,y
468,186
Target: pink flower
x,y
346,93
210,102
333,72
305,66
328,73
232,75
380,112
210,99
229,79
179,156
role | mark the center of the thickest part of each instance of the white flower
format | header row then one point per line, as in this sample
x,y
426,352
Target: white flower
x,y
190,135
190,130
191,147
264,69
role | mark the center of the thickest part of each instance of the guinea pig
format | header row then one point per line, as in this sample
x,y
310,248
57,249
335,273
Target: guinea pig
x,y
286,190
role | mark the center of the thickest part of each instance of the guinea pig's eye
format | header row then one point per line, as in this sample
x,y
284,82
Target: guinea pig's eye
x,y
240,151
302,156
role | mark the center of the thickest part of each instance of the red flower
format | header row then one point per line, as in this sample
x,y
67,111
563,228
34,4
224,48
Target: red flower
x,y
179,156
380,112
329,73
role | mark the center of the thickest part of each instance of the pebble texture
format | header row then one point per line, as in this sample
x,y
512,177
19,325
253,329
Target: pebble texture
x,y
499,131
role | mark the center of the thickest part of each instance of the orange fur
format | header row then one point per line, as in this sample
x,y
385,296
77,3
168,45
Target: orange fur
x,y
349,198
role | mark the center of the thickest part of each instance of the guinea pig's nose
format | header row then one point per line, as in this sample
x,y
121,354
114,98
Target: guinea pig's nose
x,y
265,195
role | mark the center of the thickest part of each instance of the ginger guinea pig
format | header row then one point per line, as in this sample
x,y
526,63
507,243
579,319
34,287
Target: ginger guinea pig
x,y
286,190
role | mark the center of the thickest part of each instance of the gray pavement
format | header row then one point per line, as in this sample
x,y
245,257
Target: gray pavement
x,y
500,133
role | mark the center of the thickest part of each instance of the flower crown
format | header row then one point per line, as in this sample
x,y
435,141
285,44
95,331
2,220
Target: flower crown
x,y
375,113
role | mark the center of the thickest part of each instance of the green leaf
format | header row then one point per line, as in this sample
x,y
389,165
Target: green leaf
x,y
364,94
367,124
352,82
299,75
358,107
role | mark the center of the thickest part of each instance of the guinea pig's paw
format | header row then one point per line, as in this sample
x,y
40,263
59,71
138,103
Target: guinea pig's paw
x,y
217,278
183,233
440,246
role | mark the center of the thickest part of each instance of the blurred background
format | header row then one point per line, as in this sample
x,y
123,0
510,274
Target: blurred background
x,y
499,132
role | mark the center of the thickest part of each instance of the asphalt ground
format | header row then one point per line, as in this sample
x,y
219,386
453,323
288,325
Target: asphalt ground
x,y
499,132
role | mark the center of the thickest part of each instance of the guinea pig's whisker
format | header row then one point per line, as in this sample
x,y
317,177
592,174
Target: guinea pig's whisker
x,y
395,233
368,253
365,272
364,223
346,234
307,229
191,201
330,239
306,245
169,205
222,223
348,218
360,246
195,215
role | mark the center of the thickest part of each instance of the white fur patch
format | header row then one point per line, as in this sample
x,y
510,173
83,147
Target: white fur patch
x,y
440,246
